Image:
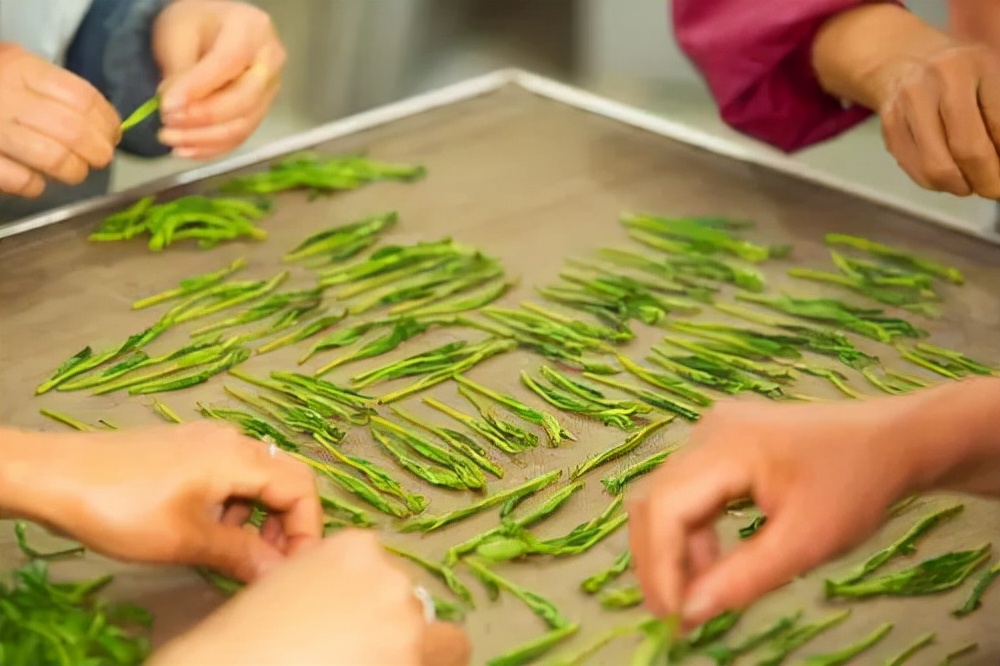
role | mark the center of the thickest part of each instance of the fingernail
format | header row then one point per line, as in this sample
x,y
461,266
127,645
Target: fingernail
x,y
171,117
171,102
266,565
170,137
698,608
184,152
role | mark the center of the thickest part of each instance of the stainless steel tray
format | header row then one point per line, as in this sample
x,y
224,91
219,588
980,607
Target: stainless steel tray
x,y
534,173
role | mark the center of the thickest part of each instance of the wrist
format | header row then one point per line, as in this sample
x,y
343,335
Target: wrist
x,y
949,437
28,487
858,54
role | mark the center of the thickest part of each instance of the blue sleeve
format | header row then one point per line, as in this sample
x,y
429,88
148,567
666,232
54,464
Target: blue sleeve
x,y
113,50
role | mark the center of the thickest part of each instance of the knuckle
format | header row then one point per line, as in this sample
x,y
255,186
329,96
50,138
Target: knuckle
x,y
175,548
990,190
34,188
944,177
259,19
973,154
66,166
238,129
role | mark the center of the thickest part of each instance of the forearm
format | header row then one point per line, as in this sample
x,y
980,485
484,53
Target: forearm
x,y
27,490
949,437
853,50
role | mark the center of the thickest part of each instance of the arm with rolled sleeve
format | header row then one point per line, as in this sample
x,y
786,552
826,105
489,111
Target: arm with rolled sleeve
x,y
757,63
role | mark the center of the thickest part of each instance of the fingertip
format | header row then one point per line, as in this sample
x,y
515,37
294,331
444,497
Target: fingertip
x,y
699,607
297,545
264,562
445,644
173,98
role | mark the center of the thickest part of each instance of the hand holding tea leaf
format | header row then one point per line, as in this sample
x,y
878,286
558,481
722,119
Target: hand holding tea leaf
x,y
221,62
339,574
823,474
53,124
170,494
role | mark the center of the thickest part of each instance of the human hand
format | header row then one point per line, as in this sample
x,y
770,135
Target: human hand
x,y
342,603
53,124
940,114
938,97
823,474
169,494
819,473
221,63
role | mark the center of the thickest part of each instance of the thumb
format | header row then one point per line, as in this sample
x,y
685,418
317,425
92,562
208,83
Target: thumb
x,y
238,552
445,644
769,559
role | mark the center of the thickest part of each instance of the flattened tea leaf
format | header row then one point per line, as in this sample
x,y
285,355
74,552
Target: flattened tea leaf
x,y
901,658
725,655
307,331
651,398
958,654
66,420
530,487
336,240
753,526
898,256
319,173
631,443
547,508
928,577
788,642
905,545
531,650
616,483
21,536
458,443
539,605
595,583
848,653
402,330
144,111
975,597
619,598
555,432
191,286
396,447
66,624
443,572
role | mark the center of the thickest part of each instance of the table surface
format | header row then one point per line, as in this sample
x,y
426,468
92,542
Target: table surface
x,y
533,182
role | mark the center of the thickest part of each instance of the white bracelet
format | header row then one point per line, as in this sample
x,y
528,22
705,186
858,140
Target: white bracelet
x,y
425,599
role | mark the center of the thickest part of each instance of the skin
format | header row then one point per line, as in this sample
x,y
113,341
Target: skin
x,y
53,125
170,494
343,619
936,93
182,495
824,474
221,64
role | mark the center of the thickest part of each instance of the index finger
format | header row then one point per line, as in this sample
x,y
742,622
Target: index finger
x,y
80,96
231,54
286,487
445,644
688,493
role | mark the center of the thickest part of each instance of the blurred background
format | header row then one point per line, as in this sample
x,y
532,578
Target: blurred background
x,y
347,56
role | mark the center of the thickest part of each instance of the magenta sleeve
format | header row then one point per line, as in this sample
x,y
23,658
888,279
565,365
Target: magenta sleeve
x,y
756,59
